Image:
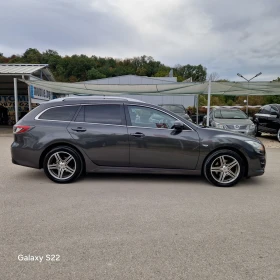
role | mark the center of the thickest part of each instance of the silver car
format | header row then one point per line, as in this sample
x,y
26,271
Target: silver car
x,y
231,119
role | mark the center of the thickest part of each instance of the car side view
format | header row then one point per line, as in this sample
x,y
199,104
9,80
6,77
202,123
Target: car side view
x,y
267,120
68,137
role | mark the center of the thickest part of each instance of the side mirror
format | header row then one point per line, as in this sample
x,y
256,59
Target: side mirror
x,y
178,125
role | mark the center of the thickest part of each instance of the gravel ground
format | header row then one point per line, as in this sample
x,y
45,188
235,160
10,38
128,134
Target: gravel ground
x,y
127,227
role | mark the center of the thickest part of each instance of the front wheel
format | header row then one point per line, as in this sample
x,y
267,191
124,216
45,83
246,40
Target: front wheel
x,y
278,135
224,168
63,165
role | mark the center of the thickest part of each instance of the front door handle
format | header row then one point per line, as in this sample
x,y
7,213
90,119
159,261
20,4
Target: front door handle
x,y
138,134
79,129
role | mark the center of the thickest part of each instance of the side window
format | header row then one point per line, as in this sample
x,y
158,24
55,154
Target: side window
x,y
148,117
81,115
104,114
64,113
274,111
266,109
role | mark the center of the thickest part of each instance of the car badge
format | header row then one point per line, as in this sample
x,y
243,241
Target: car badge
x,y
236,126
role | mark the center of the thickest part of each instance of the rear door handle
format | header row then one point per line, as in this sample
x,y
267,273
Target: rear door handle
x,y
138,134
79,129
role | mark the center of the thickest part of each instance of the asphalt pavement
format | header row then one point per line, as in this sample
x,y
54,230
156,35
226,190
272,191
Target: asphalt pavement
x,y
138,226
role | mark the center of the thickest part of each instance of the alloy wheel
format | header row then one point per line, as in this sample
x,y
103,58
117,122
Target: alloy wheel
x,y
61,165
225,169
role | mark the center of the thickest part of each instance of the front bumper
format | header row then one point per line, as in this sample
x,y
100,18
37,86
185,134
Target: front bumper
x,y
257,166
246,132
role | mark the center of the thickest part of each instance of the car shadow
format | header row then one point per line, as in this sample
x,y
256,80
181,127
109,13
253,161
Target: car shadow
x,y
38,176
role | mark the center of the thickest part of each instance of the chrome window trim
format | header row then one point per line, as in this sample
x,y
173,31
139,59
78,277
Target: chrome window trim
x,y
102,124
144,105
37,117
133,126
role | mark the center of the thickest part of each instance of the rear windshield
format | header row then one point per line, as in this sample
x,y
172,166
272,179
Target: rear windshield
x,y
230,114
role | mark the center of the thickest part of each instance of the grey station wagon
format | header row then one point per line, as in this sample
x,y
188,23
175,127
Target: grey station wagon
x,y
68,137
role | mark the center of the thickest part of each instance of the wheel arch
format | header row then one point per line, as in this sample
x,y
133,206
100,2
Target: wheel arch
x,y
231,149
54,145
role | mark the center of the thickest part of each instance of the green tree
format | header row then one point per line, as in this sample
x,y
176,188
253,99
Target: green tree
x,y
198,73
93,74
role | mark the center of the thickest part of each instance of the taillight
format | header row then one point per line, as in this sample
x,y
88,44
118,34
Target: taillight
x,y
18,129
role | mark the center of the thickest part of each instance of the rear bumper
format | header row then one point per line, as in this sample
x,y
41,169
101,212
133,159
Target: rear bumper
x,y
24,157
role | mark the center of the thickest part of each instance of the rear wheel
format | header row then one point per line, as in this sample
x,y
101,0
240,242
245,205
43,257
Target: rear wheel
x,y
63,165
224,168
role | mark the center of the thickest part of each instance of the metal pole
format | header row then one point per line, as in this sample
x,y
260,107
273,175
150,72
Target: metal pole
x,y
29,98
16,99
208,102
197,103
247,104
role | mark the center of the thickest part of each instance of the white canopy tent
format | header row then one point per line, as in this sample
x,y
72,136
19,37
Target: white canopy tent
x,y
217,88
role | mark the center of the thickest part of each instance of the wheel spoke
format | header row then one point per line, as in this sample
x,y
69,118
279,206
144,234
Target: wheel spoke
x,y
60,173
53,166
222,160
68,159
57,157
231,174
232,164
216,169
69,169
222,177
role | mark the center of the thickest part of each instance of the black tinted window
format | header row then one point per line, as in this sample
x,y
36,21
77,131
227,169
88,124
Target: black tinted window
x,y
266,109
106,114
65,113
81,115
274,110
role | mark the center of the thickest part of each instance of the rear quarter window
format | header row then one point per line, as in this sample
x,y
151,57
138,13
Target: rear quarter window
x,y
65,113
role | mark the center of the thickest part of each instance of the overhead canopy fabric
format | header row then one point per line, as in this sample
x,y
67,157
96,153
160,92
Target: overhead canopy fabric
x,y
219,88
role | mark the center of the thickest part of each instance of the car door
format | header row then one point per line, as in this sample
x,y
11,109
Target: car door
x,y
261,118
273,120
153,144
100,130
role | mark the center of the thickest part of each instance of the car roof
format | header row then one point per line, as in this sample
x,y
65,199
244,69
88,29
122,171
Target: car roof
x,y
171,104
227,109
93,98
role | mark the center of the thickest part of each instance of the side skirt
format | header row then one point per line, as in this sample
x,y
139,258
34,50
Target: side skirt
x,y
138,170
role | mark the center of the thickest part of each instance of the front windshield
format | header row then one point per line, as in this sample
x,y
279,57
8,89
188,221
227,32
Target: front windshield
x,y
230,114
174,108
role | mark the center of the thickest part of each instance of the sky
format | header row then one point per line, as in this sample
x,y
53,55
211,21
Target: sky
x,y
227,37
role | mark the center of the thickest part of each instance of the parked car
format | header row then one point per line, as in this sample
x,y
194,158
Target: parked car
x,y
68,137
178,109
230,119
200,119
268,120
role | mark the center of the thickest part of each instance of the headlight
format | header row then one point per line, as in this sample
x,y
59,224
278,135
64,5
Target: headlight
x,y
252,126
259,148
218,125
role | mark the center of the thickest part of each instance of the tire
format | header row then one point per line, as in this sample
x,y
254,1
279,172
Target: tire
x,y
257,132
217,172
278,135
58,169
